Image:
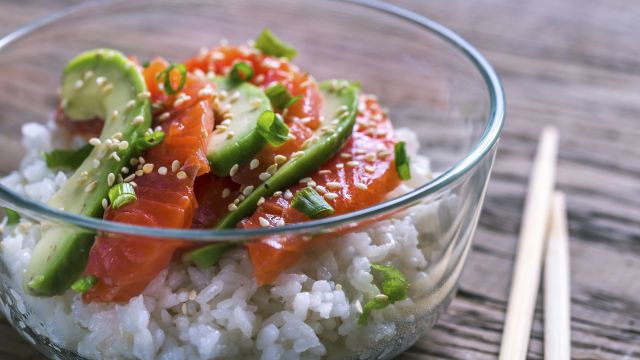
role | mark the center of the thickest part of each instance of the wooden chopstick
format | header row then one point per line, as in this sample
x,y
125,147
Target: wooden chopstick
x,y
557,328
533,230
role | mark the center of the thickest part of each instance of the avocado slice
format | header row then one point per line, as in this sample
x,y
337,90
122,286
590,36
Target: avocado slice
x,y
98,83
246,103
340,108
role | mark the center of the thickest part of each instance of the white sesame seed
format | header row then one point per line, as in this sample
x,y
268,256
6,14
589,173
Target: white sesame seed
x,y
234,169
225,193
334,185
321,189
87,75
297,153
353,163
232,207
138,120
255,103
105,89
331,196
306,179
181,99
280,159
115,114
100,80
361,186
164,116
129,178
130,104
193,295
345,155
144,95
305,120
324,172
230,135
92,185
147,168
247,190
383,153
96,163
288,194
205,91
95,141
105,203
139,173
181,175
381,297
124,170
264,176
157,128
311,183
272,169
260,201
133,183
133,162
279,222
111,178
277,194
141,160
339,165
254,164
162,170
123,145
359,307
370,168
263,222
175,165
240,198
78,84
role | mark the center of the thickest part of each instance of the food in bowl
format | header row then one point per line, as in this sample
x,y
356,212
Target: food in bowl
x,y
234,137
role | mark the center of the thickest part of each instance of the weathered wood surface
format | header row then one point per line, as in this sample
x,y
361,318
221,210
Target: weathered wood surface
x,y
573,63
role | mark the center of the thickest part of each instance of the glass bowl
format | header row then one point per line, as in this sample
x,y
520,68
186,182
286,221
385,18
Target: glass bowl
x,y
432,82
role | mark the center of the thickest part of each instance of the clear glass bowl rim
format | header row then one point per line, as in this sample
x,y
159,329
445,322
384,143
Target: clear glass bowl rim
x,y
479,151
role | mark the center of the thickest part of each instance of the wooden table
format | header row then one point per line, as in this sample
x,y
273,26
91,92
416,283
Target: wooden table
x,y
573,63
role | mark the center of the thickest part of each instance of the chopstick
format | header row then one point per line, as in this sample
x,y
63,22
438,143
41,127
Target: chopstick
x,y
526,278
557,328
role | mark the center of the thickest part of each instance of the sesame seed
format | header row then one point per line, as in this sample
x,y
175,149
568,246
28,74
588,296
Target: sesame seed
x,y
234,97
105,203
192,295
280,159
353,163
133,162
162,170
277,194
141,160
138,120
305,120
95,141
92,185
234,169
383,153
255,103
247,190
96,163
254,164
369,168
321,189
157,128
87,75
115,114
334,185
181,99
272,169
164,116
130,104
240,198
345,155
78,84
147,168
371,157
133,183
175,165
280,222
232,207
226,122
264,176
139,172
297,154
100,80
311,183
144,95
129,178
263,222
361,186
359,307
360,151
181,175
205,91
288,194
111,178
123,145
124,170
331,196
105,89
84,174
230,135
260,201
324,172
381,297
339,165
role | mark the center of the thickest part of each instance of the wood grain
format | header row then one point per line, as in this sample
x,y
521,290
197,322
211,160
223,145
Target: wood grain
x,y
571,63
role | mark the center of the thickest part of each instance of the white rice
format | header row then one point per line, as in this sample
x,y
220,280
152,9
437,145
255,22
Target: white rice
x,y
220,313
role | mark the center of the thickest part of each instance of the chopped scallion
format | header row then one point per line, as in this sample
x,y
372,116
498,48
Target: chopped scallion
x,y
402,161
270,44
12,216
165,76
149,140
279,96
241,72
394,287
71,159
121,194
84,284
207,256
272,128
310,203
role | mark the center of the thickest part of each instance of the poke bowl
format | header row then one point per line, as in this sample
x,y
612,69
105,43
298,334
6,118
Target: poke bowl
x,y
238,179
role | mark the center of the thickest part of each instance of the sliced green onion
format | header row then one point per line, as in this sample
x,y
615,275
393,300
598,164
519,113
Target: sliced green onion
x,y
310,203
402,161
121,194
272,128
12,216
207,256
270,44
84,284
67,158
395,287
166,75
241,72
149,140
279,96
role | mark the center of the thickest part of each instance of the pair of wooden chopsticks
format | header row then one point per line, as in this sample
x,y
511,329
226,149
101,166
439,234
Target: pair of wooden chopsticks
x,y
543,232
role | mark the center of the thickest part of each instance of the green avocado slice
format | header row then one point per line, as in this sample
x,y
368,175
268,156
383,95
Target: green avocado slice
x,y
340,107
98,83
246,103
